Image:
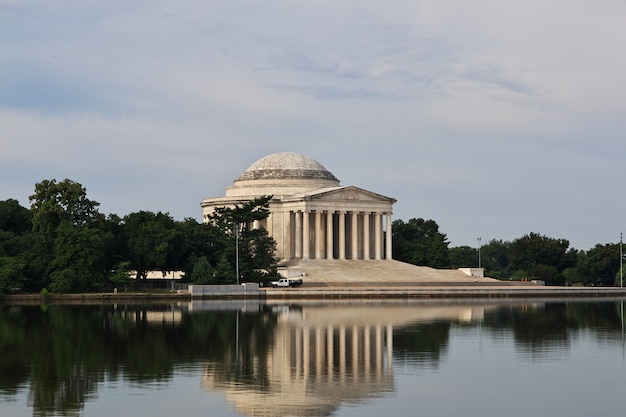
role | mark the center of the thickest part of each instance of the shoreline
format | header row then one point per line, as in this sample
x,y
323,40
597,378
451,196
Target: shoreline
x,y
430,291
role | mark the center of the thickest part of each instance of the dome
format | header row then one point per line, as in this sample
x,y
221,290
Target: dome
x,y
287,166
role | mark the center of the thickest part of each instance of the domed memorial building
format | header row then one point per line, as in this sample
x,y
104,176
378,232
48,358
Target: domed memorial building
x,y
312,216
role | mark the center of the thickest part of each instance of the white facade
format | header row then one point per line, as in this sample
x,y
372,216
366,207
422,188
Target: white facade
x,y
311,215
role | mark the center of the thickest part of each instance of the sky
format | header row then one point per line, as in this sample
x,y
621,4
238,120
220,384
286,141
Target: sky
x,y
494,118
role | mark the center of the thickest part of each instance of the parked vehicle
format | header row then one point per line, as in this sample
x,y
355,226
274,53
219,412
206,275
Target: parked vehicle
x,y
287,282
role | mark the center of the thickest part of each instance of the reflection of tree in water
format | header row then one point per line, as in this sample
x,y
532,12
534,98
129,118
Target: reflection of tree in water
x,y
64,352
422,343
541,329
244,339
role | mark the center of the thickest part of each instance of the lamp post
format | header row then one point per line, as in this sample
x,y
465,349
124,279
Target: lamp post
x,y
479,262
237,232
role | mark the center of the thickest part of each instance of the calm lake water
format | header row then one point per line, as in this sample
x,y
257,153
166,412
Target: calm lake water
x,y
533,358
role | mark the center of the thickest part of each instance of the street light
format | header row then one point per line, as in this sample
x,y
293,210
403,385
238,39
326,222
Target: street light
x,y
238,228
479,263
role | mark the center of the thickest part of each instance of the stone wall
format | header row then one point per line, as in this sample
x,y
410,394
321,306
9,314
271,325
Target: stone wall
x,y
224,291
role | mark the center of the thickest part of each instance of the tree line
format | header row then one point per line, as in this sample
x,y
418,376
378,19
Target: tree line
x,y
532,256
63,244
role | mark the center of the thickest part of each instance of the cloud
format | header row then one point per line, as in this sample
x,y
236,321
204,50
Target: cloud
x,y
489,117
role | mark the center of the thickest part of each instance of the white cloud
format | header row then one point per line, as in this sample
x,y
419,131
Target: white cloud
x,y
489,117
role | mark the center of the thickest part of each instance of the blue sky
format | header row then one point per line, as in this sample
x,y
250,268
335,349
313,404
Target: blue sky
x,y
493,118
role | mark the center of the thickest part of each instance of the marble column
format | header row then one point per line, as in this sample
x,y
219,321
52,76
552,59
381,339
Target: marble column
x,y
377,237
366,235
317,235
298,233
329,234
355,235
388,238
342,235
305,235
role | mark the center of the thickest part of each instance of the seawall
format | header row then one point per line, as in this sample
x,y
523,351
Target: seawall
x,y
354,292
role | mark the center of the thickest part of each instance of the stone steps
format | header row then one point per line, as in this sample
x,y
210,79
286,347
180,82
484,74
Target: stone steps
x,y
324,271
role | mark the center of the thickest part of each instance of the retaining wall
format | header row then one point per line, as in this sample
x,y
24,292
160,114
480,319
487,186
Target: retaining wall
x,y
226,291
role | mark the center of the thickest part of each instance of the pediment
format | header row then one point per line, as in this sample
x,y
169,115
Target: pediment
x,y
346,193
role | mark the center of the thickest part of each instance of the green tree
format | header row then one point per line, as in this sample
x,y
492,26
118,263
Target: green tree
x,y
15,218
15,236
463,257
256,248
224,272
121,274
203,272
599,265
153,242
67,226
202,240
542,257
78,264
11,274
53,203
495,258
420,242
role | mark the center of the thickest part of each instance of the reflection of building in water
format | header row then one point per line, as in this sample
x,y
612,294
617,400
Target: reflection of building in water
x,y
326,356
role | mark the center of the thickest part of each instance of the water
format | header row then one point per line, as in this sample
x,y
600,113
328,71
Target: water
x,y
334,359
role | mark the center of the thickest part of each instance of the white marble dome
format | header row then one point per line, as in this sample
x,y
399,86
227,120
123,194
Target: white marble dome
x,y
286,166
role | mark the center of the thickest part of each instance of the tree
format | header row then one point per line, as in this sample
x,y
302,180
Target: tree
x,y
15,224
15,218
67,251
599,265
53,203
11,274
419,242
121,274
203,273
224,272
153,242
463,257
202,240
78,264
256,247
495,258
532,253
15,233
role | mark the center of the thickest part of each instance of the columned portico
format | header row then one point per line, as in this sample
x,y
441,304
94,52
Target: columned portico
x,y
331,237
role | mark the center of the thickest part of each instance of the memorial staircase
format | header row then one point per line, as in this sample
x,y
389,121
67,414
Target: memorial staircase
x,y
323,272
